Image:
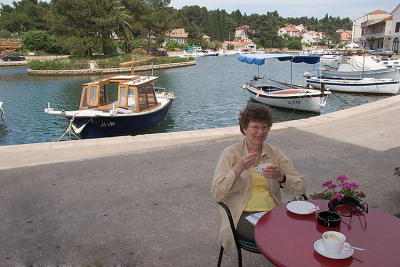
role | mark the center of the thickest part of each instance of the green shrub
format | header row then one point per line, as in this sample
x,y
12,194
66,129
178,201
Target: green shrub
x,y
295,45
5,34
115,61
76,62
58,64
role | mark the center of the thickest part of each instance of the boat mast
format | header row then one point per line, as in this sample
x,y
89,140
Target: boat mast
x,y
291,71
362,76
132,63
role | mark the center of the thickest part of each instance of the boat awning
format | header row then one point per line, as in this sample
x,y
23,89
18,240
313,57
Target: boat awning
x,y
259,59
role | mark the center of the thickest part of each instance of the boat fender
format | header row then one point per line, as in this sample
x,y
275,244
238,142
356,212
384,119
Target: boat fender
x,y
78,130
258,93
2,112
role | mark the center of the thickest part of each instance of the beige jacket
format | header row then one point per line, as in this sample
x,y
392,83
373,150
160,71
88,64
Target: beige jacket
x,y
235,193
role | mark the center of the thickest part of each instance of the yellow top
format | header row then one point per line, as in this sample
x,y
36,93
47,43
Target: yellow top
x,y
260,199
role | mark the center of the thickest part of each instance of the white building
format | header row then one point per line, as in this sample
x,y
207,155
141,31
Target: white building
x,y
345,36
179,35
376,33
242,33
301,28
290,30
312,37
376,15
244,46
395,31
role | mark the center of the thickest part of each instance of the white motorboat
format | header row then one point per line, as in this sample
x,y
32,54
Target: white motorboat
x,y
359,67
210,53
280,94
366,85
285,95
328,59
229,52
192,54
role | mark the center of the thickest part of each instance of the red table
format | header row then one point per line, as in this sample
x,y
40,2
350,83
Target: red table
x,y
287,239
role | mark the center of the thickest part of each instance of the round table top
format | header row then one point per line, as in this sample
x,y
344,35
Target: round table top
x,y
287,239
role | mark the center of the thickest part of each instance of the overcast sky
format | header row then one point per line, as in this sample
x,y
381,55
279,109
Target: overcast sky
x,y
290,8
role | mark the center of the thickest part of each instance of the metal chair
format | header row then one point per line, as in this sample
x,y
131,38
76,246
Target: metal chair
x,y
240,244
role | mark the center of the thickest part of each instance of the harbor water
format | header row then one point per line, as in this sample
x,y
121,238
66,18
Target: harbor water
x,y
208,95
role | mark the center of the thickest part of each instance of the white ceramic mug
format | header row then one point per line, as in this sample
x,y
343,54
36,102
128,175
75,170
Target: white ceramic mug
x,y
333,241
262,166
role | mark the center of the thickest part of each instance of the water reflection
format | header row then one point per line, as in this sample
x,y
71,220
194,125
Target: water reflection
x,y
3,131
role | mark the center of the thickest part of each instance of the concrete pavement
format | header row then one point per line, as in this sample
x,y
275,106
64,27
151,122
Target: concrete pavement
x,y
145,201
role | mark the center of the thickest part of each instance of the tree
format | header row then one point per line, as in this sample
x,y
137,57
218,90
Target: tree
x,y
294,44
231,47
132,27
171,44
237,17
193,16
87,25
25,15
194,35
266,29
154,21
36,40
215,45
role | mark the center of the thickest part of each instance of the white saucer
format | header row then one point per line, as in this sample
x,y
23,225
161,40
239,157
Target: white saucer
x,y
347,250
301,207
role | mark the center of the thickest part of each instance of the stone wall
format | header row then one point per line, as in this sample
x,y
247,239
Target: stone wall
x,y
109,70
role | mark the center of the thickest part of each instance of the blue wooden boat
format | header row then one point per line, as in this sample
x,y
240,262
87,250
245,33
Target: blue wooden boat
x,y
139,106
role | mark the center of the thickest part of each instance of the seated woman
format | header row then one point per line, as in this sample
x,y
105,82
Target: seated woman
x,y
241,186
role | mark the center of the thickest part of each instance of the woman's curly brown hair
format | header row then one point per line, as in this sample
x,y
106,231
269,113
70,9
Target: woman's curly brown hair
x,y
255,112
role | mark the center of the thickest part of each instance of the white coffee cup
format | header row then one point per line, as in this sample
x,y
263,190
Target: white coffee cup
x,y
333,241
262,166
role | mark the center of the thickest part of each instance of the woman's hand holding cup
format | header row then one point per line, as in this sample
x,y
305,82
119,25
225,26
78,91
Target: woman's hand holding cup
x,y
273,172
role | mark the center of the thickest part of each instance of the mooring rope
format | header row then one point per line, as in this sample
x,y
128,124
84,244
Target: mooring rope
x,y
69,130
344,102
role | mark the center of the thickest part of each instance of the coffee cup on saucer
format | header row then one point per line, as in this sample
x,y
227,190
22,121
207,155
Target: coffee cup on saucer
x,y
333,241
262,166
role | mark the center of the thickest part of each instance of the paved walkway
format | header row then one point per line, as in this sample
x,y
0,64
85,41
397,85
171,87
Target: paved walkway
x,y
145,201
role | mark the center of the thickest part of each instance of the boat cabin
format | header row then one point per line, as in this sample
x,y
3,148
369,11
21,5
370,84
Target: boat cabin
x,y
135,93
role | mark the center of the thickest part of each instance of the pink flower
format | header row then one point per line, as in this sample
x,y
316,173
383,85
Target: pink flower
x,y
332,186
337,196
338,188
342,178
346,186
327,183
353,185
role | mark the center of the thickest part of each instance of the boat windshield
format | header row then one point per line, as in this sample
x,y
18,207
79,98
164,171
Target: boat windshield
x,y
146,96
